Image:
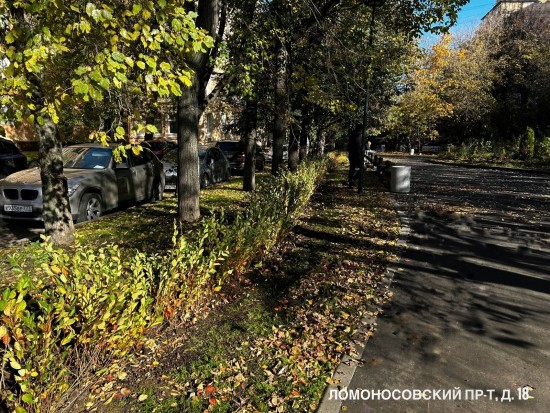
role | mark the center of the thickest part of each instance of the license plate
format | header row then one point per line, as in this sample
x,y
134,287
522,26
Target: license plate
x,y
17,208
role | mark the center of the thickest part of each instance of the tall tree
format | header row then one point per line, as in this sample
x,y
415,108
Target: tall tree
x,y
418,111
244,72
191,105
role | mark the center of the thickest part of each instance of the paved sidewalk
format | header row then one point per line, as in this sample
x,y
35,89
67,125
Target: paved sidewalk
x,y
471,306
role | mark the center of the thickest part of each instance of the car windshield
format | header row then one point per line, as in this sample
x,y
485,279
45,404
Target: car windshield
x,y
86,158
229,146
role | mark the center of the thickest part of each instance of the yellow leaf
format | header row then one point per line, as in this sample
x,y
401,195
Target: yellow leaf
x,y
15,365
142,397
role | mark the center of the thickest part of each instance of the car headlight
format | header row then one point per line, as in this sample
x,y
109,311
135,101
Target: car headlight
x,y
72,189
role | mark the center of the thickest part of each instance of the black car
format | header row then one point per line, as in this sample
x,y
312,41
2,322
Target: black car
x,y
234,152
11,158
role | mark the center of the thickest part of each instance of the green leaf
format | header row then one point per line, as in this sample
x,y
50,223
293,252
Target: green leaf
x,y
90,7
80,71
27,398
96,76
105,84
67,339
118,57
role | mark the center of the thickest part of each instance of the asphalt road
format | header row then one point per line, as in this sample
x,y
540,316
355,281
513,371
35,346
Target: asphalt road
x,y
471,304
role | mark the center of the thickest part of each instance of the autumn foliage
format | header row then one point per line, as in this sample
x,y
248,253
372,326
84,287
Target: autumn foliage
x,y
72,310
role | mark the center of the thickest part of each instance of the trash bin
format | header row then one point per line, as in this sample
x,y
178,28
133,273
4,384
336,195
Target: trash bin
x,y
411,152
400,179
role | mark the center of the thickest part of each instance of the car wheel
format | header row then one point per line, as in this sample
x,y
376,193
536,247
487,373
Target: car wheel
x,y
156,192
205,181
91,207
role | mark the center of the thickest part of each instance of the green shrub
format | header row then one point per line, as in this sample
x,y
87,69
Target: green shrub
x,y
543,151
70,308
528,144
480,150
516,146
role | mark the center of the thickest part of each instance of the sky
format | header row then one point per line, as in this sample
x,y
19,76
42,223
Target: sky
x,y
471,14
469,18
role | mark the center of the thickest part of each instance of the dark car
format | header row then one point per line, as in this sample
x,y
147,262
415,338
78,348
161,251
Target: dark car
x,y
11,158
160,147
96,183
234,152
213,167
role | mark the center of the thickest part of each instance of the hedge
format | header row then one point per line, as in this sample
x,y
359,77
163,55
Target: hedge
x,y
70,311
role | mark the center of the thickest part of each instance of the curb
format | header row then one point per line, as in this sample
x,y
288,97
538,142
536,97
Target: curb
x,y
345,371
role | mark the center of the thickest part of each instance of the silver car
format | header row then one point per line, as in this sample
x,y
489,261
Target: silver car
x,y
95,183
213,167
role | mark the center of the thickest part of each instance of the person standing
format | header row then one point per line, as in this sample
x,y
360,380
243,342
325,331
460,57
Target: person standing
x,y
354,153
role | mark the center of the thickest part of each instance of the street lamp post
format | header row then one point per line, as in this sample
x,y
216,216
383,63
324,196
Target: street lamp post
x,y
374,4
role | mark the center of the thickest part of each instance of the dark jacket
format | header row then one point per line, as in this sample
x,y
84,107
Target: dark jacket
x,y
354,146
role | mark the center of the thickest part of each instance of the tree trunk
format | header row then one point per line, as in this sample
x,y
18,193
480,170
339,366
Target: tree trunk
x,y
58,221
190,107
188,160
56,209
321,138
250,122
294,148
304,137
281,109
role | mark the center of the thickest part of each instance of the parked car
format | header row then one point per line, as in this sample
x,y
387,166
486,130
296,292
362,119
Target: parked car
x,y
234,152
269,154
213,167
160,147
431,148
95,183
11,158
